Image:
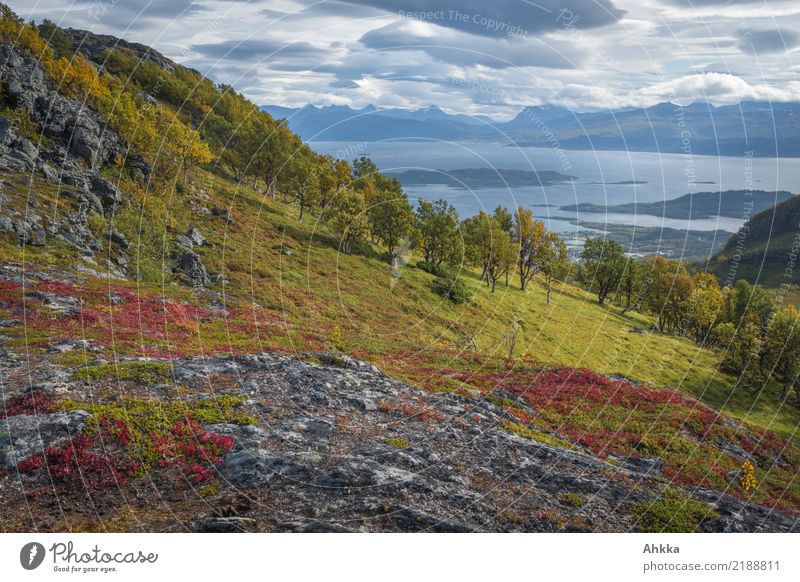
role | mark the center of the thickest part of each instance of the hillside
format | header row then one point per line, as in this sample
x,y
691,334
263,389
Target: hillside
x,y
765,249
179,350
699,205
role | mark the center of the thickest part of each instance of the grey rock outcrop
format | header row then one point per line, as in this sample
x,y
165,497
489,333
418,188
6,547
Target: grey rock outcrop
x,y
23,435
189,265
339,446
78,144
27,87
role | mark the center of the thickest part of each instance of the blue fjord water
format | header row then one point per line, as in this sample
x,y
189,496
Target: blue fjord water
x,y
600,178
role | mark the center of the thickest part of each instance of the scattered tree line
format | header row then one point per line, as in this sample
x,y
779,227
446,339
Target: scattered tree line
x,y
758,336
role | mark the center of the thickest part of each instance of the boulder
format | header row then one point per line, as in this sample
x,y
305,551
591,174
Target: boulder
x,y
118,238
256,467
191,266
109,195
196,237
6,225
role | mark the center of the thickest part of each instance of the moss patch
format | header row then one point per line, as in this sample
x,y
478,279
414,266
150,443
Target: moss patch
x,y
534,434
674,512
142,372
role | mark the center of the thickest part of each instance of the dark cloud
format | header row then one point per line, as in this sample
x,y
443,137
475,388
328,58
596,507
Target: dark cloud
x,y
139,14
464,50
296,56
764,42
503,18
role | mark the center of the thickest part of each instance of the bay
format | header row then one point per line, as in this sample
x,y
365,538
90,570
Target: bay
x,y
602,177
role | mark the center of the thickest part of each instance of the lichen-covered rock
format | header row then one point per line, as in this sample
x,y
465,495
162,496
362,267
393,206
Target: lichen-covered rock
x,y
23,435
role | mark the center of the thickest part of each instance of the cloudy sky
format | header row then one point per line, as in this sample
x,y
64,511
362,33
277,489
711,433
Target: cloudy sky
x,y
471,56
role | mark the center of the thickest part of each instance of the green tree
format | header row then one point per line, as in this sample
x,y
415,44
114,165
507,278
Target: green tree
x,y
677,307
195,151
666,289
55,37
501,254
489,247
504,218
603,263
551,260
327,179
391,218
476,233
629,294
364,169
529,235
742,349
706,306
350,219
437,225
304,180
746,299
782,350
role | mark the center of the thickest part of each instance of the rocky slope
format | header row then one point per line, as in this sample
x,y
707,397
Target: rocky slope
x,y
69,147
321,442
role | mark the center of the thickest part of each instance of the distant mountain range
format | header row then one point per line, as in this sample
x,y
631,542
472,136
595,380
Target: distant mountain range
x,y
765,129
730,203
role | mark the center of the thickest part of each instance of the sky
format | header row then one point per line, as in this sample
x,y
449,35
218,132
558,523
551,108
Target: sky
x,y
489,57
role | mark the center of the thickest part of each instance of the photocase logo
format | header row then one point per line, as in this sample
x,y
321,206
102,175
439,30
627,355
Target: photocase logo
x,y
31,555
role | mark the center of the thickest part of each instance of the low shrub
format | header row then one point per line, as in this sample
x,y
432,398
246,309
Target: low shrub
x,y
533,434
36,402
435,270
397,442
192,450
110,454
452,288
572,499
147,421
80,465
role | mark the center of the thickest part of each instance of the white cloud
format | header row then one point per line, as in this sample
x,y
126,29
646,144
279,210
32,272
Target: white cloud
x,y
717,88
